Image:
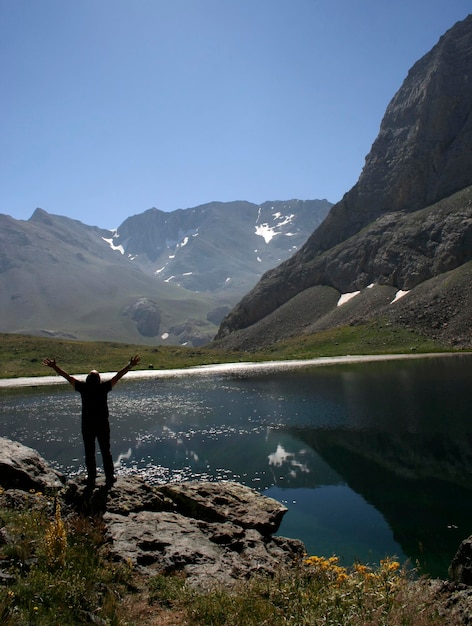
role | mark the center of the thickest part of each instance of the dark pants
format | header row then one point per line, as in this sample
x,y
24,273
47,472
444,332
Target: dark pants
x,y
99,430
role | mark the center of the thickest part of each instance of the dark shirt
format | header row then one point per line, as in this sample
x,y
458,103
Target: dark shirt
x,y
94,399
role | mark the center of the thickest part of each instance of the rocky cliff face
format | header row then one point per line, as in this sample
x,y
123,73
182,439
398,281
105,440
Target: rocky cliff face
x,y
389,228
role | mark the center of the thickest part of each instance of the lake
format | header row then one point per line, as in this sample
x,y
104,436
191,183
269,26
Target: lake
x,y
371,459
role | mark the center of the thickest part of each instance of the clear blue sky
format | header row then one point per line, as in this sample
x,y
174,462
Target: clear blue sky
x,y
110,107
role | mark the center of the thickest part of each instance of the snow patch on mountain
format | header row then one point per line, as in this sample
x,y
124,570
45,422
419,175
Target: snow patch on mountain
x,y
183,237
119,248
267,231
400,293
287,220
345,297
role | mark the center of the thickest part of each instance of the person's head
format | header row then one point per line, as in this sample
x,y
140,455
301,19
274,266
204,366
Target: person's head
x,y
93,377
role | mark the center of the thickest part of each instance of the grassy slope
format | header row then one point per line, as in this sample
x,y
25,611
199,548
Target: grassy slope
x,y
21,355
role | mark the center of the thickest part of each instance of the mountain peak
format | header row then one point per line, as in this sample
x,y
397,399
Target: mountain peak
x,y
40,215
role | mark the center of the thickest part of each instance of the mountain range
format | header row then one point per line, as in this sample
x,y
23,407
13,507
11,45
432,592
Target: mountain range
x,y
398,246
159,278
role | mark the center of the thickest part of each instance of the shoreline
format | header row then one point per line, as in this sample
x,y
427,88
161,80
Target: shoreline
x,y
243,367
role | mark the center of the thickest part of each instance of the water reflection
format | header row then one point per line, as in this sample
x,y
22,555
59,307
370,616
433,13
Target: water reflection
x,y
370,459
419,483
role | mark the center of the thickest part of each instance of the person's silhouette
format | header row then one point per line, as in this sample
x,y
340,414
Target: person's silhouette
x,y
95,424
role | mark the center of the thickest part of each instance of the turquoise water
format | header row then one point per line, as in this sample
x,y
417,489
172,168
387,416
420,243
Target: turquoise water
x,y
370,459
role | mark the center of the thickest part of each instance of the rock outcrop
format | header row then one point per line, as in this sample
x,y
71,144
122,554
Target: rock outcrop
x,y
461,567
208,531
147,315
23,468
400,225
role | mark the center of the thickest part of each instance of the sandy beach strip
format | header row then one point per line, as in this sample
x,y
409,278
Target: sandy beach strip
x,y
239,368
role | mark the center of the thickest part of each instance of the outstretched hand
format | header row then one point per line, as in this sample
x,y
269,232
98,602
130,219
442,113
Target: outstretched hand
x,y
52,363
134,360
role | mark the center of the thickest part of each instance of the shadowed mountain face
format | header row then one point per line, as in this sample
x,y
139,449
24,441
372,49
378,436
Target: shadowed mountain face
x,y
159,278
407,221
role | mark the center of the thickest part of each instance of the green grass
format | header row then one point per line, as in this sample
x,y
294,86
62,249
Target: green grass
x,y
22,355
317,591
58,575
371,338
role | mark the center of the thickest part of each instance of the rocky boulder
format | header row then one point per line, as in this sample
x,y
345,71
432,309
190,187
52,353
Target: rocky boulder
x,y
460,569
209,531
165,542
145,312
235,503
23,468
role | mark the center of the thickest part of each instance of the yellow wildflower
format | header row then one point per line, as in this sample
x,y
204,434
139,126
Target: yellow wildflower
x,y
56,539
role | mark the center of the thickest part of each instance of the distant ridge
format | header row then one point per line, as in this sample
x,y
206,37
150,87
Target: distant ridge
x,y
160,278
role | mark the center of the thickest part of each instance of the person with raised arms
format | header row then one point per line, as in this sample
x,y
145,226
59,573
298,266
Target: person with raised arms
x,y
95,416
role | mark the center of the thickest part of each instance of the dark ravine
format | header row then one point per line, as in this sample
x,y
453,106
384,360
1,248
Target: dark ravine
x,y
406,222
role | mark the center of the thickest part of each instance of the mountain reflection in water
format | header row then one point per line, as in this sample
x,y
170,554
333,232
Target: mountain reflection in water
x,y
371,459
419,483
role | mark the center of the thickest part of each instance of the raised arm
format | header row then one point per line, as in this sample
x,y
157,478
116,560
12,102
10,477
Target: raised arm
x,y
134,360
52,363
